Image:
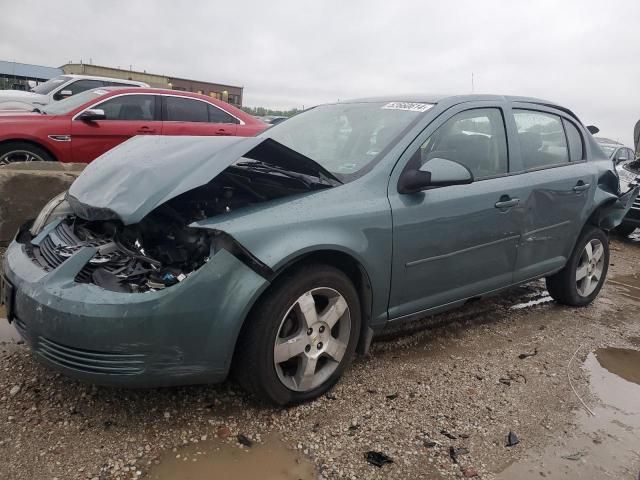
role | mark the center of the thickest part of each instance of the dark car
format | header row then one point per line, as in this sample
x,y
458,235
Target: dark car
x,y
172,258
628,170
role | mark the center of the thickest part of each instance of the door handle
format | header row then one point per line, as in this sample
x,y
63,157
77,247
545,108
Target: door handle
x,y
581,187
507,202
222,131
146,130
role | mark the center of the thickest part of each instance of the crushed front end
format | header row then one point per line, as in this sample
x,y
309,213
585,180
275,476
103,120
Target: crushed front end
x,y
114,284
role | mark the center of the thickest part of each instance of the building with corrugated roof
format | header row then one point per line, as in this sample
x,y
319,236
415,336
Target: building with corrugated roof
x,y
16,76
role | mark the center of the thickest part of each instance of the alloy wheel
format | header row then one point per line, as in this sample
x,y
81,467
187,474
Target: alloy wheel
x,y
590,268
312,339
19,156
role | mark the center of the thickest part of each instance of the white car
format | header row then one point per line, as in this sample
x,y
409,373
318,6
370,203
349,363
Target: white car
x,y
58,88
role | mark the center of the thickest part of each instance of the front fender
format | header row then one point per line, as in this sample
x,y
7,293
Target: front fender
x,y
278,234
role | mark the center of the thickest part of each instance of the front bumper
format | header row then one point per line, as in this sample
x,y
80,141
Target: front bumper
x,y
183,334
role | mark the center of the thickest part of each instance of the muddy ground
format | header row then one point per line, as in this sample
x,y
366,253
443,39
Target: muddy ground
x,y
457,381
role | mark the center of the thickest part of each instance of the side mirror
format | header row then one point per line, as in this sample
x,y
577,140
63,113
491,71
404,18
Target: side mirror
x,y
437,172
593,129
92,115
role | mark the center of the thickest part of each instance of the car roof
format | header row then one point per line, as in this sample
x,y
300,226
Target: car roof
x,y
95,77
164,91
435,98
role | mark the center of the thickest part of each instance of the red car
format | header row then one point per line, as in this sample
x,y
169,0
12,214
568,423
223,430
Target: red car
x,y
84,126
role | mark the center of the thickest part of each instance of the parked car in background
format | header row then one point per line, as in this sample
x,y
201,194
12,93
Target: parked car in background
x,y
172,257
628,170
273,119
85,126
56,89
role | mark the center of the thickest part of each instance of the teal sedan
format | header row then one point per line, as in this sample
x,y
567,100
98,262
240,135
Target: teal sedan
x,y
176,260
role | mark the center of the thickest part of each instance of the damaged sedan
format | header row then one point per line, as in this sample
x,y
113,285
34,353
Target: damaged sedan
x,y
177,260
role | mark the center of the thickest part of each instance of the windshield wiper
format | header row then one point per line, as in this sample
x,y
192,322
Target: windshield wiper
x,y
267,168
37,110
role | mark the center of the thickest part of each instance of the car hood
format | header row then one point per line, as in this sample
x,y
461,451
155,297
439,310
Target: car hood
x,y
21,96
137,176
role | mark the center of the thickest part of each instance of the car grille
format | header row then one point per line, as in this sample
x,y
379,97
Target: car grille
x,y
636,204
58,246
21,328
90,361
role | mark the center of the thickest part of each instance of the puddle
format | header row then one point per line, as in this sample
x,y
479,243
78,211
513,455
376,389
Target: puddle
x,y
605,445
8,332
629,285
215,459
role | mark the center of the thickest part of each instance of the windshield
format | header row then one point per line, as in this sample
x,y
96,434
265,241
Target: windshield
x,y
608,149
347,138
50,85
71,103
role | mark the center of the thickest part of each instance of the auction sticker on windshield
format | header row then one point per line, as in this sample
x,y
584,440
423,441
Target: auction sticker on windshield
x,y
408,106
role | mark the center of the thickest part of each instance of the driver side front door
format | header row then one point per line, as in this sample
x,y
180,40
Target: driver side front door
x,y
455,242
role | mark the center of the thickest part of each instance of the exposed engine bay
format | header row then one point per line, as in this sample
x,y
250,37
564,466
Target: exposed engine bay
x,y
162,250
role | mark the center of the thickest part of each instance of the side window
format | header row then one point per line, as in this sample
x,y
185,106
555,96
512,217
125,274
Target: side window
x,y
475,138
631,154
217,115
542,139
82,85
119,84
129,107
576,152
180,109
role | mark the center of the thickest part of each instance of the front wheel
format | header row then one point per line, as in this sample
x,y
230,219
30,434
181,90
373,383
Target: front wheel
x,y
14,152
300,337
580,281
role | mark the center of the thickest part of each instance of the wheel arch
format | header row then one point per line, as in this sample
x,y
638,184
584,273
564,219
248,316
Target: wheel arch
x,y
30,141
342,261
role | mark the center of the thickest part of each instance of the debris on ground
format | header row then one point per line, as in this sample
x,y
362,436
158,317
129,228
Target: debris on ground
x,y
522,356
244,440
574,456
512,439
469,472
449,435
377,458
455,453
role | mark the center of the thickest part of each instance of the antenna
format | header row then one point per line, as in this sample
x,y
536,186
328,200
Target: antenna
x,y
472,86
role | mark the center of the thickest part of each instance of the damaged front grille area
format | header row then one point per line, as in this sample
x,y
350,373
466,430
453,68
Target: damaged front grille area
x,y
57,247
162,250
121,264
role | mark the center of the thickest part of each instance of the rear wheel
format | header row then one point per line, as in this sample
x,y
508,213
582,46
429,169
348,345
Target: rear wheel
x,y
300,337
14,152
625,229
580,281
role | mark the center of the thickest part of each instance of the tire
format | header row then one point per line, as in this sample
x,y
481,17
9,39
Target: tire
x,y
566,286
278,323
23,151
624,229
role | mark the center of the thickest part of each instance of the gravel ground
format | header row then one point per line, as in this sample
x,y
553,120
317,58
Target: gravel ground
x,y
456,381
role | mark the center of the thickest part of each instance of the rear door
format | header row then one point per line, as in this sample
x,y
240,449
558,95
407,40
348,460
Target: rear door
x,y
127,115
190,116
554,187
452,243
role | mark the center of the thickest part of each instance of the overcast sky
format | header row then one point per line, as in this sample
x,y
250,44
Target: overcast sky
x,y
582,54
